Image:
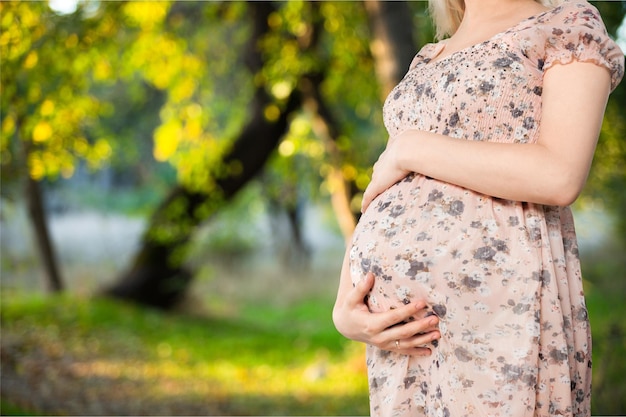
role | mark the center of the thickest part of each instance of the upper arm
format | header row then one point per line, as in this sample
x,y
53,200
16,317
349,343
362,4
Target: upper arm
x,y
573,102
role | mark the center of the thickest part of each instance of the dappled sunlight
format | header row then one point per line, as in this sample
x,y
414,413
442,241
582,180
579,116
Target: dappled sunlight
x,y
227,378
329,377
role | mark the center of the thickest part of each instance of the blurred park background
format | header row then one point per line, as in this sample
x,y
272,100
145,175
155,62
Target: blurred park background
x,y
178,181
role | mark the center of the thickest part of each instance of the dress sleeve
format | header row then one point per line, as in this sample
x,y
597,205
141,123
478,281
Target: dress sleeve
x,y
578,34
425,54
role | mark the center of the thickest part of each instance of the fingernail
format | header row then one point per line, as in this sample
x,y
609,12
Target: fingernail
x,y
433,321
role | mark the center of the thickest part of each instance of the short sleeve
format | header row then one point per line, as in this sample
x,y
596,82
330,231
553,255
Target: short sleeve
x,y
577,33
425,54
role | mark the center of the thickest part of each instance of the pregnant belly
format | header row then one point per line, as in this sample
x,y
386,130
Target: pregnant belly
x,y
426,239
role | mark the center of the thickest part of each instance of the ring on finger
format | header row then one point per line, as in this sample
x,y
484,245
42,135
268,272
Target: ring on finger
x,y
397,344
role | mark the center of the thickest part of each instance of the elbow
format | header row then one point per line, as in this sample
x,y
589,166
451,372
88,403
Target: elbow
x,y
562,199
563,190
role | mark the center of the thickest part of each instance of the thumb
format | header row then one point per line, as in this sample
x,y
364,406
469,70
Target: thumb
x,y
361,290
367,199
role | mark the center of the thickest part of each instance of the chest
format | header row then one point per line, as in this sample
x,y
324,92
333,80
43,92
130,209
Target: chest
x,y
490,86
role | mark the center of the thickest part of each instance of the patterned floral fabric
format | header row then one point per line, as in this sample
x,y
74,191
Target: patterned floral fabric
x,y
503,276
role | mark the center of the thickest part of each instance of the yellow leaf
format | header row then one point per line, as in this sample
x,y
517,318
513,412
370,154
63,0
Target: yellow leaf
x,y
281,90
8,125
286,148
183,89
67,170
47,108
31,60
102,70
146,14
271,112
36,166
81,147
166,139
71,41
42,131
102,149
349,172
193,129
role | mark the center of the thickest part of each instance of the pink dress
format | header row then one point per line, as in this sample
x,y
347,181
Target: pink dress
x,y
503,276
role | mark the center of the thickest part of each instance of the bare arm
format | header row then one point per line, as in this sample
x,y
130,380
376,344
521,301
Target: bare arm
x,y
353,319
551,171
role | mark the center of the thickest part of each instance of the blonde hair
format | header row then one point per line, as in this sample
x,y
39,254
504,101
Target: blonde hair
x,y
447,14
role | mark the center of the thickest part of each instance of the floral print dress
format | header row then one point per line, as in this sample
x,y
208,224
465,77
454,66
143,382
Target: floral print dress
x,y
503,276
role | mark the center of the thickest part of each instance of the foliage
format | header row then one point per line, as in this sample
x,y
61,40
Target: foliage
x,y
604,272
302,163
606,313
48,65
114,82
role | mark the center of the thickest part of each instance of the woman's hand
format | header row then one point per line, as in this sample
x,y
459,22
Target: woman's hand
x,y
387,172
404,330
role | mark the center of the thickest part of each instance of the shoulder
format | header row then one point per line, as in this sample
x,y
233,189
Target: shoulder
x,y
572,31
570,18
427,52
572,13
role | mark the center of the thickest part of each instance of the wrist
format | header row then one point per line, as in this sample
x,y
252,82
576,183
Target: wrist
x,y
405,157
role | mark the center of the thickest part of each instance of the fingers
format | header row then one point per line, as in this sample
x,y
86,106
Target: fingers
x,y
413,338
410,351
407,314
420,331
368,197
379,322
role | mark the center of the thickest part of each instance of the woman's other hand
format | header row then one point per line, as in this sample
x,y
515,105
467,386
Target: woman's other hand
x,y
405,330
386,172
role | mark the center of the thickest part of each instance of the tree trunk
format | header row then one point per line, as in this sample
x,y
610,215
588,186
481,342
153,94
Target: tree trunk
x,y
38,219
393,42
42,236
157,276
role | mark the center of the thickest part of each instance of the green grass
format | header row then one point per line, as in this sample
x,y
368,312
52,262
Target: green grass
x,y
604,270
9,409
608,327
264,361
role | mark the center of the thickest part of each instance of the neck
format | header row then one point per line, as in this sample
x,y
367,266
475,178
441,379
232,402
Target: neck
x,y
480,12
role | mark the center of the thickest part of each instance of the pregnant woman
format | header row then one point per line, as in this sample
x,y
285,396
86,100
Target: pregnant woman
x,y
463,275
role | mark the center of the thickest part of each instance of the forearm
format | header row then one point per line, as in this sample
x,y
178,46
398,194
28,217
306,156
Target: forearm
x,y
521,172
